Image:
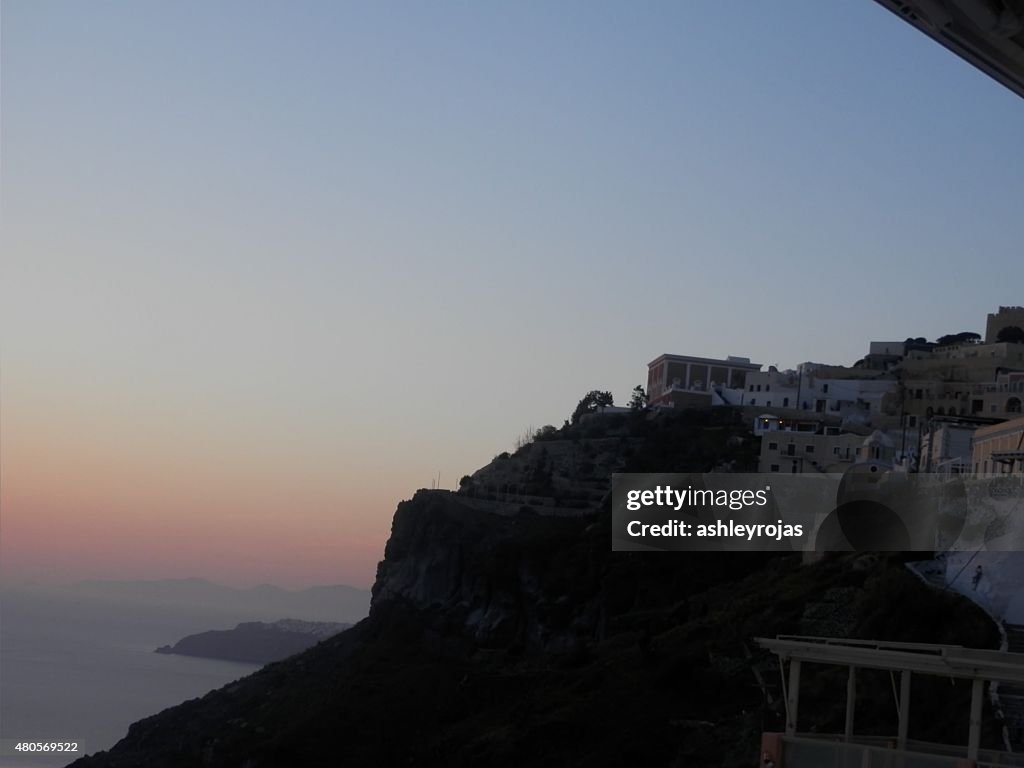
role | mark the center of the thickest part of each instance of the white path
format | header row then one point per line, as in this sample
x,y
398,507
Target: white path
x,y
1000,590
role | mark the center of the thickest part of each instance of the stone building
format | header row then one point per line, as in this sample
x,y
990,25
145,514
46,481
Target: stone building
x,y
1004,318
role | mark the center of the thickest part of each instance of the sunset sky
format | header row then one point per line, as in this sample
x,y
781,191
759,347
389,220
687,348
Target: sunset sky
x,y
270,267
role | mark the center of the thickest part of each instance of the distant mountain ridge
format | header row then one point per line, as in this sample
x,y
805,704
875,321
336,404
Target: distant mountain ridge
x,y
328,603
256,642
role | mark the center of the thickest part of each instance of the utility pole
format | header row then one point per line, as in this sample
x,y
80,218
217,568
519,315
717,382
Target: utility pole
x,y
903,415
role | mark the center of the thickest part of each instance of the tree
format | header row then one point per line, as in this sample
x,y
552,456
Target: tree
x,y
639,399
1013,334
547,432
591,401
964,337
525,438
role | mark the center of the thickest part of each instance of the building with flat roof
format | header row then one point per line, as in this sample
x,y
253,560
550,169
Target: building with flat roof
x,y
856,395
946,445
999,448
797,452
962,380
682,381
1000,399
888,348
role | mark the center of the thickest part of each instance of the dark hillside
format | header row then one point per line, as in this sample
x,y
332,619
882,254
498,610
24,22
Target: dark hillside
x,y
505,637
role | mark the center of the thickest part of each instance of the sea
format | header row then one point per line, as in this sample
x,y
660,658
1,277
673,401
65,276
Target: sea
x,y
79,670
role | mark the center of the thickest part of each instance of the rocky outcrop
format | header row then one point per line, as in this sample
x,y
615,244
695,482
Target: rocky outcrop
x,y
498,580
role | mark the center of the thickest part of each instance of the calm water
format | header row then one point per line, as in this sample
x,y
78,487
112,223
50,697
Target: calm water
x,y
74,669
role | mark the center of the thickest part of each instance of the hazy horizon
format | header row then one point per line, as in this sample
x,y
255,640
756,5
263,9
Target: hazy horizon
x,y
267,272
240,586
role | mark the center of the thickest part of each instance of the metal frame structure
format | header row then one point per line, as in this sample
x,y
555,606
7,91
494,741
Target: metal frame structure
x,y
950,661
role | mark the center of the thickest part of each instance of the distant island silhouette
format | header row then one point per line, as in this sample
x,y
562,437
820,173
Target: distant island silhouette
x,y
256,642
265,602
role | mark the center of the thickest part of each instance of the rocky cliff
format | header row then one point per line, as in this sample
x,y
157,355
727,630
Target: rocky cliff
x,y
501,581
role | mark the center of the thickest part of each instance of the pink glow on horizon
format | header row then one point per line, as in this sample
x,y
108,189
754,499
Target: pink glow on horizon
x,y
78,503
41,545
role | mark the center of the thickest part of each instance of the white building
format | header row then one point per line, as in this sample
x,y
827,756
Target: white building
x,y
946,447
851,395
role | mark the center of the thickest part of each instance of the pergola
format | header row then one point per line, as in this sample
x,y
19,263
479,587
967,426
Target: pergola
x,y
950,661
988,35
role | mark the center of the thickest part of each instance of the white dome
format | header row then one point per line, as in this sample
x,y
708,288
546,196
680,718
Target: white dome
x,y
879,438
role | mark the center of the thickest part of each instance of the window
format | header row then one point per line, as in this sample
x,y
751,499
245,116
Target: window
x,y
773,446
775,468
767,387
808,449
753,401
785,402
835,450
824,389
769,404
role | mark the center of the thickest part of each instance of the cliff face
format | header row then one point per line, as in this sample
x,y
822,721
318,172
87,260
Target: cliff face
x,y
519,558
503,630
520,580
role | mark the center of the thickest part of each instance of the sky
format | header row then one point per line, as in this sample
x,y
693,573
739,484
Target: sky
x,y
269,268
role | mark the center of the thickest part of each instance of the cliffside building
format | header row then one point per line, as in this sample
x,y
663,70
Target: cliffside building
x,y
797,452
681,381
999,448
946,445
856,395
964,380
1006,317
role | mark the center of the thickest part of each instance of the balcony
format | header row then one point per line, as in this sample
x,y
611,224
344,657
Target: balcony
x,y
902,661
